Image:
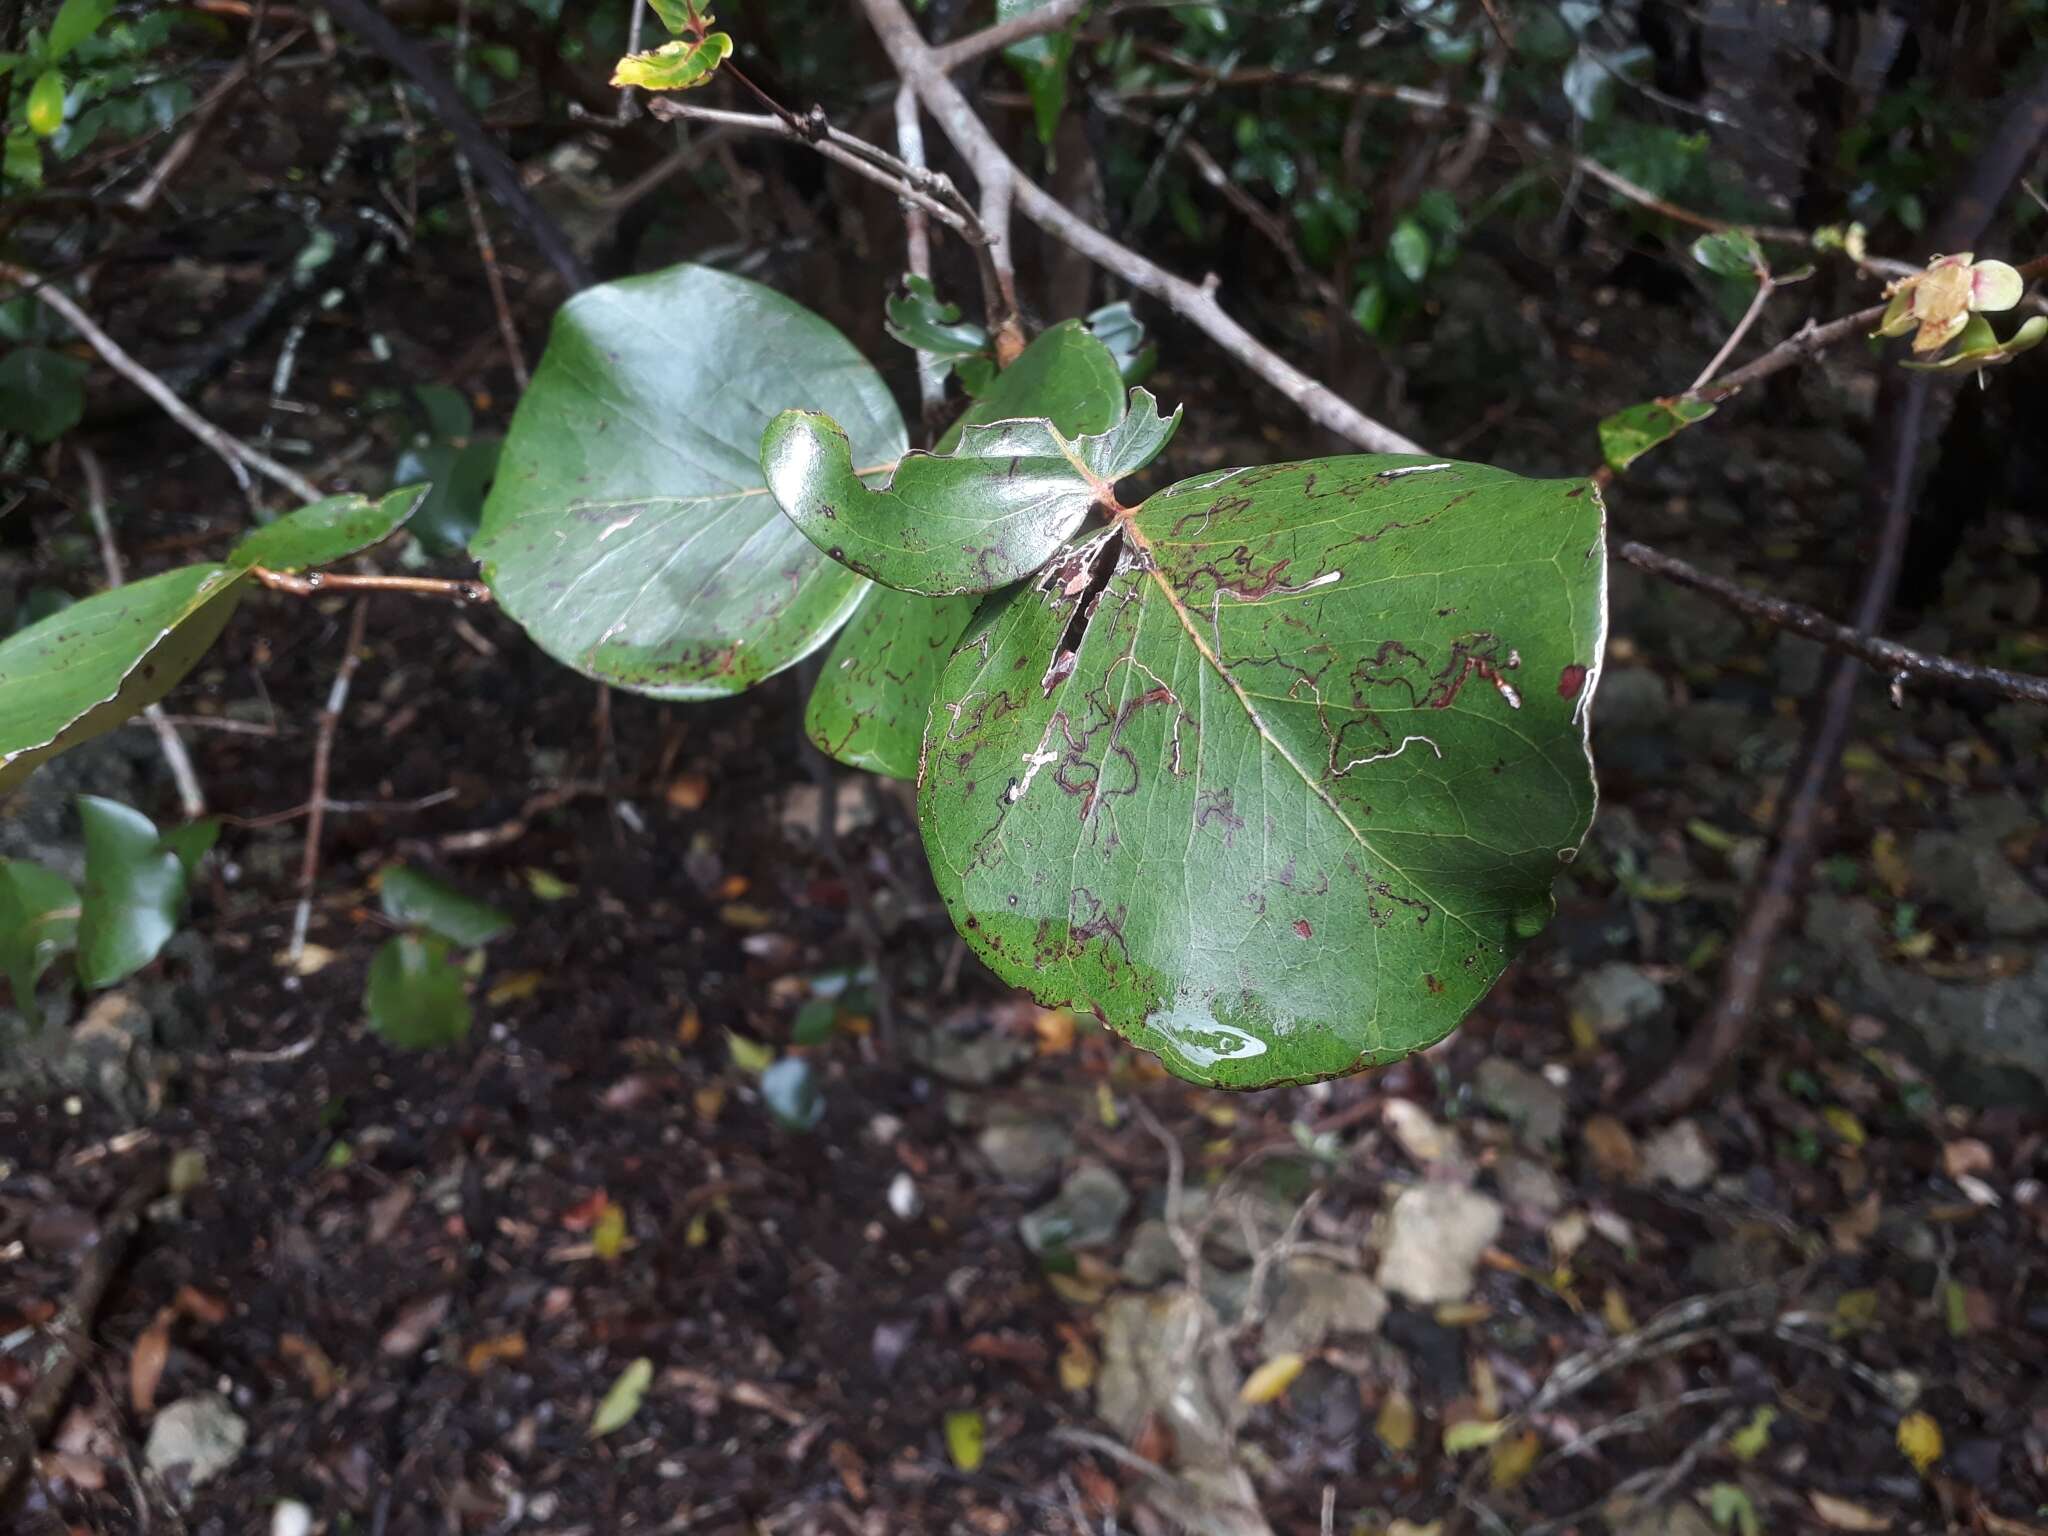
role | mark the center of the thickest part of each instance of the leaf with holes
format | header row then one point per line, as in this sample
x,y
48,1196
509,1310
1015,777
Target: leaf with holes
x,y
630,530
83,670
990,512
1275,775
325,531
682,65
1629,434
868,709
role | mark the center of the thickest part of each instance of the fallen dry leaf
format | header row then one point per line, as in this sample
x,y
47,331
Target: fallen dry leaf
x,y
1845,1515
1395,1424
499,1346
688,792
1271,1379
1611,1147
146,1361
321,1376
416,1323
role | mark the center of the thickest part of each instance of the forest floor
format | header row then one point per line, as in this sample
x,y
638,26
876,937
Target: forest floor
x,y
1017,1280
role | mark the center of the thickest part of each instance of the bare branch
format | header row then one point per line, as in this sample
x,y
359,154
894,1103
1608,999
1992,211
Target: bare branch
x,y
921,69
240,457
1884,655
334,581
1047,18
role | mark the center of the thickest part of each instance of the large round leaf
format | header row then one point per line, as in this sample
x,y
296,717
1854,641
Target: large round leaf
x,y
629,529
868,708
82,671
1276,777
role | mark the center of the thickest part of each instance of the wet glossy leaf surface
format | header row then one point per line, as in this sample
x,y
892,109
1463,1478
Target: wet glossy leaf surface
x,y
868,708
134,891
630,530
1288,799
80,672
988,513
330,530
410,897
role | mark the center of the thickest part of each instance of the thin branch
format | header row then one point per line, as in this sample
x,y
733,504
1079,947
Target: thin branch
x,y
921,69
1901,661
1047,18
240,457
1764,289
201,117
191,798
323,754
335,581
486,250
917,248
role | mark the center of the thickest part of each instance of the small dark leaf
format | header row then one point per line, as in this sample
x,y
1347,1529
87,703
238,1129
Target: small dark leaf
x,y
409,897
134,892
42,393
1041,63
415,996
458,477
38,922
919,318
1629,434
323,532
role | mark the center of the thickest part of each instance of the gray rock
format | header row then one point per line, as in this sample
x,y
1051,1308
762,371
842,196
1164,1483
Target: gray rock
x,y
1616,995
1152,1256
1431,1239
195,1439
1680,1155
1984,1040
1316,1299
975,1059
1529,1186
1086,1213
1528,1102
1025,1151
1969,875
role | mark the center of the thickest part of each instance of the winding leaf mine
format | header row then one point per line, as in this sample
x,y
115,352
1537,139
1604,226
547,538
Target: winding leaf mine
x,y
1275,774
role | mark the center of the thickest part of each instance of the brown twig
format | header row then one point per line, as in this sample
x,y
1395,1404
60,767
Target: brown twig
x,y
191,799
921,69
321,582
323,754
240,457
72,1326
1018,29
1886,655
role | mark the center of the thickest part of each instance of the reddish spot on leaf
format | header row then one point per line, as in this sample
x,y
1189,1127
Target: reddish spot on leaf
x,y
1433,984
1570,681
1301,927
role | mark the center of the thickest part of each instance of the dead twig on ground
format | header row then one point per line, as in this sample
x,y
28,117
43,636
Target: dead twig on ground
x,y
191,798
239,456
321,582
71,1328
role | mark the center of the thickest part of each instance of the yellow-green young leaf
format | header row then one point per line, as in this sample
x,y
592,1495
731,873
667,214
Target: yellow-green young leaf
x,y
1750,1441
1920,1439
1512,1459
624,1398
1471,1434
1732,1510
1270,1379
749,1056
677,66
966,1439
1395,1424
608,1237
45,109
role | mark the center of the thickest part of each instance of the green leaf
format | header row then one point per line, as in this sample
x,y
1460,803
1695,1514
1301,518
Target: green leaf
x,y
1346,699
623,1400
1409,248
1730,1509
76,21
192,842
790,1090
329,530
869,706
1629,434
1369,309
134,892
1729,253
1041,63
678,66
458,479
415,996
38,922
42,393
966,1439
418,900
920,319
44,112
630,529
991,512
1118,328
24,162
1471,1434
79,673
678,17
